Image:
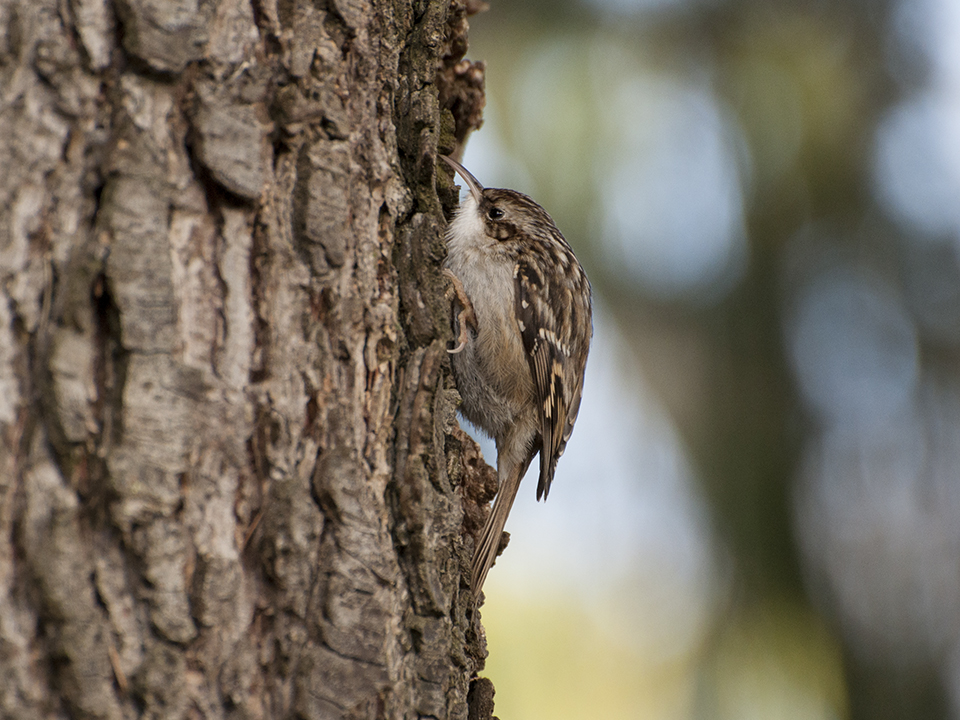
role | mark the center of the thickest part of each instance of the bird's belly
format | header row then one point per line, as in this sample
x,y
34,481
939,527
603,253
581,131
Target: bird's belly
x,y
493,375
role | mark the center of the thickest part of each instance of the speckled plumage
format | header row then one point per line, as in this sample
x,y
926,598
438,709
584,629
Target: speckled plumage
x,y
520,371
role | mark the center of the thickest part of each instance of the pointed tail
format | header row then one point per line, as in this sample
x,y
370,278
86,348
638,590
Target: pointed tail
x,y
489,541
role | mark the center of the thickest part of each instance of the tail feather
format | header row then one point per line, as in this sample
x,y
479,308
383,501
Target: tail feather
x,y
489,542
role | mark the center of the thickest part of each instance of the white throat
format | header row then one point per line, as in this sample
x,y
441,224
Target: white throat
x,y
467,230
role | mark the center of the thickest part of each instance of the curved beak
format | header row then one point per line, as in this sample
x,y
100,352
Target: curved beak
x,y
476,189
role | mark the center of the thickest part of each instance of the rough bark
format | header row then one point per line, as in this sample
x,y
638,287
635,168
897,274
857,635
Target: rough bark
x,y
231,479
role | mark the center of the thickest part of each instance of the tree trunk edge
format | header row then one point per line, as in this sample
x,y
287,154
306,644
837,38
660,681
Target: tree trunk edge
x,y
204,475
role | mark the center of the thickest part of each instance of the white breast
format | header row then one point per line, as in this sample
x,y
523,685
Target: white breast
x,y
486,271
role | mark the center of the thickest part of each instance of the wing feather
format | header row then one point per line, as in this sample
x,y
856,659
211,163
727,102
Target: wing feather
x,y
557,376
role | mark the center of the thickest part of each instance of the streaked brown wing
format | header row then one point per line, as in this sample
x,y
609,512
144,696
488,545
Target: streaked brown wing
x,y
550,353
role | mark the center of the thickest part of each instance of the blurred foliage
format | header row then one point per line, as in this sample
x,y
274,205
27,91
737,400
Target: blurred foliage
x,y
753,126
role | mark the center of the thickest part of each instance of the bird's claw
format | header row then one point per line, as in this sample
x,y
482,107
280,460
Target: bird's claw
x,y
466,317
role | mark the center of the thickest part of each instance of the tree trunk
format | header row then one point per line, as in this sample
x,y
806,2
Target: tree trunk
x,y
231,479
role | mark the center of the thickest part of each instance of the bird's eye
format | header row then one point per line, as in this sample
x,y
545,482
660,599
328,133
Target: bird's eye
x,y
494,213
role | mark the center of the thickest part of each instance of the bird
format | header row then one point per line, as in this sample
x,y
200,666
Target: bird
x,y
525,326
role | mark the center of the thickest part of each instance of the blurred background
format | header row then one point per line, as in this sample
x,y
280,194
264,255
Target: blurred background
x,y
758,515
